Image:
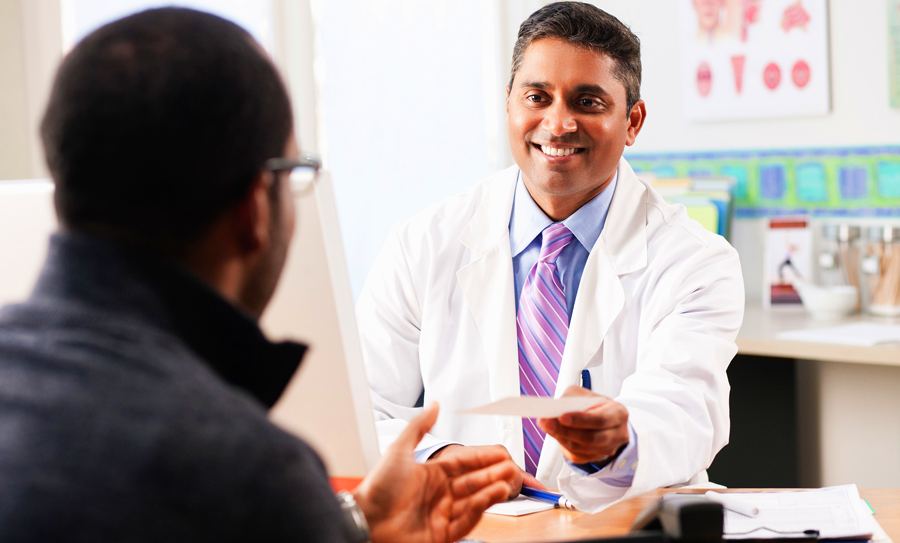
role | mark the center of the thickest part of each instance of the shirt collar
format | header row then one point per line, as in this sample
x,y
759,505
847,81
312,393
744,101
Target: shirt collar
x,y
527,220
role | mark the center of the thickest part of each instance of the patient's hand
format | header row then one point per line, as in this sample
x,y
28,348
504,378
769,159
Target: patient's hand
x,y
436,502
458,451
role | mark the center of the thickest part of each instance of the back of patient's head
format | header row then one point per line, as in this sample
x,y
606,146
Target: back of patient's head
x,y
158,123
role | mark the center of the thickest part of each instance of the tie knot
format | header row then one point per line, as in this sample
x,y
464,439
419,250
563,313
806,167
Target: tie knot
x,y
554,239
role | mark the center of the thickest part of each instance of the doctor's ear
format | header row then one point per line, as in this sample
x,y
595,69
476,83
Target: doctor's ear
x,y
636,118
507,108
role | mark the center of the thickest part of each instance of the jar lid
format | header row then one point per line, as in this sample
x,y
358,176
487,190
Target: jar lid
x,y
886,234
842,232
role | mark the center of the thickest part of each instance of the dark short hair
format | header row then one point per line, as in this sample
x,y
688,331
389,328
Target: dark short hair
x,y
158,123
588,26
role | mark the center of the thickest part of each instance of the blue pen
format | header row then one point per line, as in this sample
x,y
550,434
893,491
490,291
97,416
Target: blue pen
x,y
545,496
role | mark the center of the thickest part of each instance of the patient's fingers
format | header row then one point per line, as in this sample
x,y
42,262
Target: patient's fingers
x,y
466,513
469,459
471,483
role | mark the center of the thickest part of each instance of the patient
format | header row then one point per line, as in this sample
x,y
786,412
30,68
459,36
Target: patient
x,y
134,382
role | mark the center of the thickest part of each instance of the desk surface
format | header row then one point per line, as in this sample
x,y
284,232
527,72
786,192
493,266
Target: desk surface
x,y
563,525
758,337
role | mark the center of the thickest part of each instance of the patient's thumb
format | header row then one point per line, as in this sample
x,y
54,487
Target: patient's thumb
x,y
417,428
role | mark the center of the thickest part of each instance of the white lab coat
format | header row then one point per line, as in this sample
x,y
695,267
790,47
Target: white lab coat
x,y
658,308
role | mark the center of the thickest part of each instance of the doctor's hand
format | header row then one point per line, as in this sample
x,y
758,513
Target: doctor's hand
x,y
435,502
594,435
460,452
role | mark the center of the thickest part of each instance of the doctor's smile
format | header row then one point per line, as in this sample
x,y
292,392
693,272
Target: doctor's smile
x,y
555,153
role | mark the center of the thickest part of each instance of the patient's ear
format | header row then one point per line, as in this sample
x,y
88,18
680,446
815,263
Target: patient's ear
x,y
252,216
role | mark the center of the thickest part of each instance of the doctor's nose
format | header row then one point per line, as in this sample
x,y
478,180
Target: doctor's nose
x,y
558,120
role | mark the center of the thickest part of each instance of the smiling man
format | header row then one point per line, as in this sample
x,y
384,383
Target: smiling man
x,y
565,274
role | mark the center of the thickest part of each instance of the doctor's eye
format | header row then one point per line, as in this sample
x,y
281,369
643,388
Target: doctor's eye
x,y
535,98
588,102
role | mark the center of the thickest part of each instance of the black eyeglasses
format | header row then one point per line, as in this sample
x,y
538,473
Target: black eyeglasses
x,y
303,171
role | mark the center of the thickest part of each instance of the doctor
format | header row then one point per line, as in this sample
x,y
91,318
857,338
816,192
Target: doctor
x,y
563,275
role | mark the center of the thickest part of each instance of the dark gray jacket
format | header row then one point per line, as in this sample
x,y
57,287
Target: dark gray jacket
x,y
133,407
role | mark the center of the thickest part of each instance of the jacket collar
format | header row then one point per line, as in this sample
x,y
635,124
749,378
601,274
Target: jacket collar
x,y
120,284
625,232
490,222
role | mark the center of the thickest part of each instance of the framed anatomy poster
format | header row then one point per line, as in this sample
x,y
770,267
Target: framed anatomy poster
x,y
748,59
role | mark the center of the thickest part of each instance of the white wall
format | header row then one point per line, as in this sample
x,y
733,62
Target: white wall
x,y
404,111
30,49
861,114
14,148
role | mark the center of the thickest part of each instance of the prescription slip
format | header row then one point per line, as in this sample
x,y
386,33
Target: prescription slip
x,y
537,407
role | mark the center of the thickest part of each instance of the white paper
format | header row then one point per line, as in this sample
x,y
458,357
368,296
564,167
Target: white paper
x,y
519,506
536,407
878,533
833,511
860,334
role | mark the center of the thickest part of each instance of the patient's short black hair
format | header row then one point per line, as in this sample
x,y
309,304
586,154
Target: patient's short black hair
x,y
157,123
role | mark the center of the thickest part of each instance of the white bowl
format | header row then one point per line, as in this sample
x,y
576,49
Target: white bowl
x,y
828,302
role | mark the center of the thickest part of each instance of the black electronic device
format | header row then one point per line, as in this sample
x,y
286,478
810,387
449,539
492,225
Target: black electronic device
x,y
683,517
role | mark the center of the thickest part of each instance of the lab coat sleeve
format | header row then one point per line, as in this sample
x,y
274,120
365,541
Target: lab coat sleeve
x,y
389,318
677,399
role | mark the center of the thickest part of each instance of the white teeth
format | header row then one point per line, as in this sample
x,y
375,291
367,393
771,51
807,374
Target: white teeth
x,y
553,151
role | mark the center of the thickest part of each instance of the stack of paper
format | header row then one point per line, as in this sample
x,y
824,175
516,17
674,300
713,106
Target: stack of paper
x,y
519,506
861,334
827,513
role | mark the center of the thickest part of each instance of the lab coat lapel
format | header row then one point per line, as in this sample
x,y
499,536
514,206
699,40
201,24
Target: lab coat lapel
x,y
487,281
621,249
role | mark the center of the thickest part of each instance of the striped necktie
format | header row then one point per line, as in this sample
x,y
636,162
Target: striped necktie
x,y
542,325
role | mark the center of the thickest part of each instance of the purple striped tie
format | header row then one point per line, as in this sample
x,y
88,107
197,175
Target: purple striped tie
x,y
542,325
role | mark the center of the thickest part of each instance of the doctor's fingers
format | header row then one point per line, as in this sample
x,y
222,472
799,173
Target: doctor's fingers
x,y
608,415
582,454
593,439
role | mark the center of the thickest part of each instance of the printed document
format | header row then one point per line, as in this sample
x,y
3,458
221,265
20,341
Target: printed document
x,y
834,512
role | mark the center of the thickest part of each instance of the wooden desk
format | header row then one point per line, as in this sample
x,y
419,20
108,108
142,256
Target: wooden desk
x,y
563,525
760,328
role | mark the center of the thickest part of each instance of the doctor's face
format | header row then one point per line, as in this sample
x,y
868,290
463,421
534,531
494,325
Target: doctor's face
x,y
568,123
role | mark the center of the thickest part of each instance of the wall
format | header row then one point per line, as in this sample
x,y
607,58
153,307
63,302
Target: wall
x,y
404,111
860,114
14,147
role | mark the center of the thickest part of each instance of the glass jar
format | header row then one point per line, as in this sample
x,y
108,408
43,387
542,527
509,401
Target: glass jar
x,y
839,255
880,266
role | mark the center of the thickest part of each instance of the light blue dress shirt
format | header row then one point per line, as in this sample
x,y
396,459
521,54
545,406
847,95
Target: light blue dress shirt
x,y
526,223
